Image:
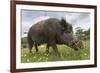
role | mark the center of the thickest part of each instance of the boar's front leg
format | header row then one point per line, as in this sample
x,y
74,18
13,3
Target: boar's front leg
x,y
55,48
36,47
47,48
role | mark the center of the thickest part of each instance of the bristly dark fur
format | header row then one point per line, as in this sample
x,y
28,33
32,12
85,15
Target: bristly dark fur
x,y
50,32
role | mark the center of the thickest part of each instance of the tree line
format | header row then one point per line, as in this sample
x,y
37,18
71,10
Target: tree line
x,y
81,34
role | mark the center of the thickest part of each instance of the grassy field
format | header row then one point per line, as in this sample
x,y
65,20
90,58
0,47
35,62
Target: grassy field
x,y
66,53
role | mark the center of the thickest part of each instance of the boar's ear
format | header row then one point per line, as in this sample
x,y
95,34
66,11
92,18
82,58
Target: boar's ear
x,y
63,23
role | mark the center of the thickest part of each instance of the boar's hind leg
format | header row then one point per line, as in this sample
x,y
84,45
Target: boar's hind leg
x,y
30,45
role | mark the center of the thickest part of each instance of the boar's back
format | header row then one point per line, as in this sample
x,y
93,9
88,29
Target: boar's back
x,y
45,31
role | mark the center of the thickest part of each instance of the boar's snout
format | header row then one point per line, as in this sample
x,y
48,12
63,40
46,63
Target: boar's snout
x,y
78,44
71,41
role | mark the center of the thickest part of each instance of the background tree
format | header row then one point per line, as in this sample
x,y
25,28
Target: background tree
x,y
87,34
82,35
79,33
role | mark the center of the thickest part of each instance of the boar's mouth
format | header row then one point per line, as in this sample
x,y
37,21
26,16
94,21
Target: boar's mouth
x,y
74,45
78,45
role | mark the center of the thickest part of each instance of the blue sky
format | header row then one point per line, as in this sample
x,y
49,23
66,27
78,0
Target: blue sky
x,y
76,19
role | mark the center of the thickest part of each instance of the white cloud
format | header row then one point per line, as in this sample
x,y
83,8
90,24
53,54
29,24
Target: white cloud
x,y
26,24
75,19
79,20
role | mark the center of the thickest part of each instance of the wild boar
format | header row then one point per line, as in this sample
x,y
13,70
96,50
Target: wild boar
x,y
51,32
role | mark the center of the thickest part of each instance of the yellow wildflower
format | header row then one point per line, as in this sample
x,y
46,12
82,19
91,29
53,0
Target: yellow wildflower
x,y
42,46
28,60
85,54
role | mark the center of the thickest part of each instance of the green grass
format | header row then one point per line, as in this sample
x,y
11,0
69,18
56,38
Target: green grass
x,y
66,54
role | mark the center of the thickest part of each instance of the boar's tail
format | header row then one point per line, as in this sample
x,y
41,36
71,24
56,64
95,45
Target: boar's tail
x,y
30,42
29,39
